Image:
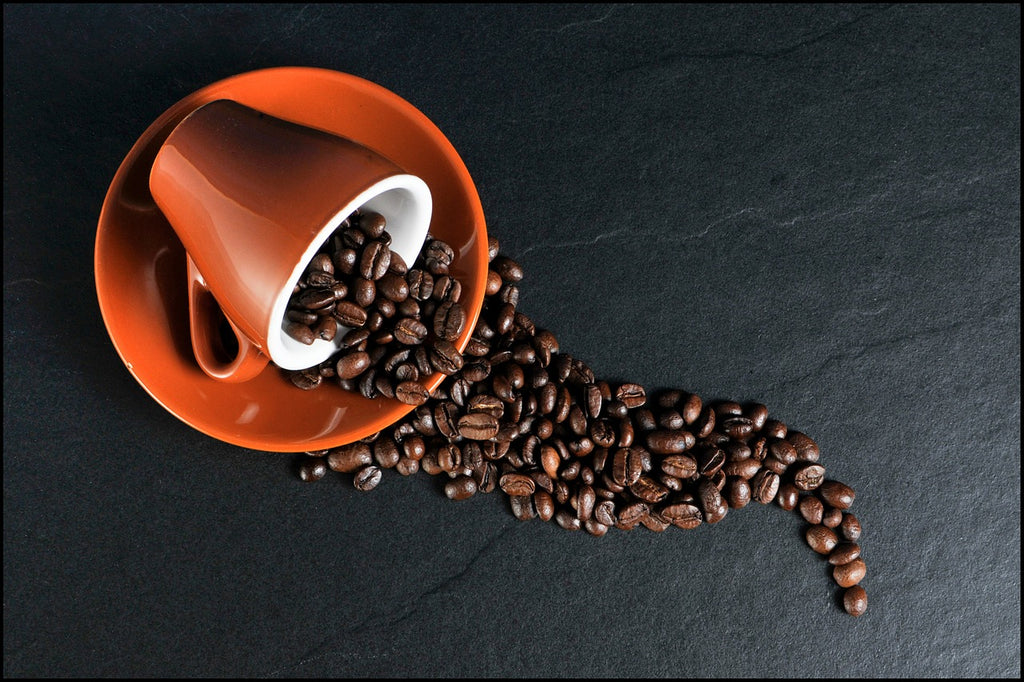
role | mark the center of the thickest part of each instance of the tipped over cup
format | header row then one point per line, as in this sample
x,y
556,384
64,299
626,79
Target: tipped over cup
x,y
252,199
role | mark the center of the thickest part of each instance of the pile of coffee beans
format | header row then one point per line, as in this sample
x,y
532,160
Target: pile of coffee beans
x,y
400,322
517,414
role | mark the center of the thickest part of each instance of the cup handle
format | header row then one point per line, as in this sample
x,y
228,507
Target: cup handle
x,y
206,320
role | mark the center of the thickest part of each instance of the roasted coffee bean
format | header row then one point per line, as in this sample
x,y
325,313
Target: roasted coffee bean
x,y
300,332
848,575
648,490
349,314
439,255
393,288
509,270
736,427
705,423
372,224
411,393
375,259
757,414
844,553
631,513
764,486
631,395
350,458
305,318
386,453
773,428
407,467
744,468
410,331
670,419
592,400
821,539
567,520
855,600
315,299
306,379
684,515
710,459
772,464
544,505
449,321
850,527
517,484
710,500
460,488
783,451
478,426
669,442
345,261
367,478
351,365
811,509
832,517
312,469
737,492
808,476
836,494
788,496
806,449
493,283
550,460
444,357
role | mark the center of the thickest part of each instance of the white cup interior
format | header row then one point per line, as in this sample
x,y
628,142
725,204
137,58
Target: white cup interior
x,y
405,203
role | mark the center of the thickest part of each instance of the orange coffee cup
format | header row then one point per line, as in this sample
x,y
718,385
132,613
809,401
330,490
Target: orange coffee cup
x,y
252,199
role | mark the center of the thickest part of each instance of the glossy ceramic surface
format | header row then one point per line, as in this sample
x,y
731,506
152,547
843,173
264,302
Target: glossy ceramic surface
x,y
141,265
252,198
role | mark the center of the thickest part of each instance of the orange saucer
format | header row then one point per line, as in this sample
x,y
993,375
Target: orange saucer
x,y
140,263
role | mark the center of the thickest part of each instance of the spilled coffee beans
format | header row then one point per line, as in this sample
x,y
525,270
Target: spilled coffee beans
x,y
517,414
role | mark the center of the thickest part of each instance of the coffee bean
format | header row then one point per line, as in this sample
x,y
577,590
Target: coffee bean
x,y
632,395
710,459
849,574
478,426
811,509
375,260
444,357
312,469
836,494
844,553
449,321
683,515
411,393
509,270
517,484
648,490
806,449
788,496
349,314
764,486
410,331
808,476
631,513
737,427
855,600
307,380
460,488
669,442
821,539
850,527
300,332
367,478
832,517
351,365
737,492
350,458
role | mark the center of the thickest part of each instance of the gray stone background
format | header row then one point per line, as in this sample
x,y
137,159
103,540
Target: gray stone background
x,y
816,207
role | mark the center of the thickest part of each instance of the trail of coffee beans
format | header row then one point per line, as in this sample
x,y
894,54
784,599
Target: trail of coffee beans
x,y
516,414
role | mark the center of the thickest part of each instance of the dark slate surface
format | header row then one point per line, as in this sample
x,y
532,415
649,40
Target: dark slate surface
x,y
816,207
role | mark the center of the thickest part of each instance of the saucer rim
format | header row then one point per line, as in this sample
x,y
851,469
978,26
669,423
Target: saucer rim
x,y
339,436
